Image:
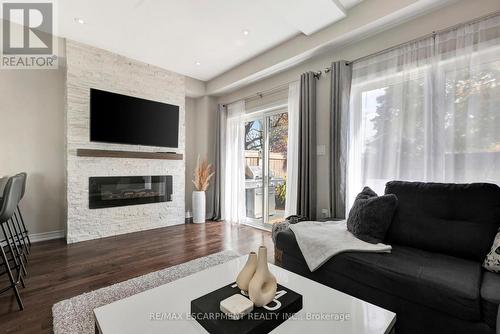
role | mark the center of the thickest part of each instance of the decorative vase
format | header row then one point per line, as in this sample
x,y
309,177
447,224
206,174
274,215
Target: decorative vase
x,y
262,287
198,207
246,274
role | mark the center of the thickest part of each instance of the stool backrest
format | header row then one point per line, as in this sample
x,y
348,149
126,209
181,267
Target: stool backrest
x,y
11,196
24,176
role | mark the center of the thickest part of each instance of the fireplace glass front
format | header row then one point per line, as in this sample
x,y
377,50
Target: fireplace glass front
x,y
112,191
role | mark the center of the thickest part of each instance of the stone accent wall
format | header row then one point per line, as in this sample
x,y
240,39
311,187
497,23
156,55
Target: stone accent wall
x,y
89,67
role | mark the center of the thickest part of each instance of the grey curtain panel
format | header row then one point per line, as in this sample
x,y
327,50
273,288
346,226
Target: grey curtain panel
x,y
339,111
306,192
219,161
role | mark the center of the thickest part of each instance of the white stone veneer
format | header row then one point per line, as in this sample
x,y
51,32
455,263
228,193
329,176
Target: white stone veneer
x,y
89,67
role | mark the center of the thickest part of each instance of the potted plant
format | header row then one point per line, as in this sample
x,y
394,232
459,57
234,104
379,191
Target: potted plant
x,y
202,175
280,196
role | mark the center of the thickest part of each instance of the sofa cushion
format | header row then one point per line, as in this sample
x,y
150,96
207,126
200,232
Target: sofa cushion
x,y
490,297
441,282
371,216
444,283
455,219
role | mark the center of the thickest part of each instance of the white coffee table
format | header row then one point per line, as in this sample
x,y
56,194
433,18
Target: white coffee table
x,y
165,309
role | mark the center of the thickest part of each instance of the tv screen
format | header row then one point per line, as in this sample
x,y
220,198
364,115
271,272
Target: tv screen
x,y
122,119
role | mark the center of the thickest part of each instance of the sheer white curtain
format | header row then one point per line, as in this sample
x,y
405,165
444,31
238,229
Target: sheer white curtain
x,y
234,177
468,63
428,111
292,149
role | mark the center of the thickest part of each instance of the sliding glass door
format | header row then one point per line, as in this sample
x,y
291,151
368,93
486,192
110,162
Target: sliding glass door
x,y
266,140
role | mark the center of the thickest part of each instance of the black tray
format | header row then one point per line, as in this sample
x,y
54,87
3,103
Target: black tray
x,y
206,310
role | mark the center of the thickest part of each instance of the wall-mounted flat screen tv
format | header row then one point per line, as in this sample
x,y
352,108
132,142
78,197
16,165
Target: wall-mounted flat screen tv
x,y
122,119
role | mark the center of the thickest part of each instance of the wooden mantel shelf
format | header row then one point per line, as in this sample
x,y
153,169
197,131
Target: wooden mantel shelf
x,y
83,152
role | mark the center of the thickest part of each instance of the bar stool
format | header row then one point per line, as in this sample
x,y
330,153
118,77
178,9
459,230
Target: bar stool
x,y
10,200
19,226
18,217
25,231
17,242
17,230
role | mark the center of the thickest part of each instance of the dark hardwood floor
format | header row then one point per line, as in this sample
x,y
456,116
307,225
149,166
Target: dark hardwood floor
x,y
58,271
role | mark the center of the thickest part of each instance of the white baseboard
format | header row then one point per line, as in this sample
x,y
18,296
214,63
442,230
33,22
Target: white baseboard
x,y
37,237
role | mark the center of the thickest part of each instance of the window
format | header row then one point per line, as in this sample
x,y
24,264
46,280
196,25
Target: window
x,y
428,111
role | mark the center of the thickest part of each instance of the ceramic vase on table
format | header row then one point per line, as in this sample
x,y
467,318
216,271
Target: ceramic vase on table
x,y
246,274
198,201
263,285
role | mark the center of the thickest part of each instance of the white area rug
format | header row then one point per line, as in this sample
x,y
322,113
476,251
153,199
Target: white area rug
x,y
75,315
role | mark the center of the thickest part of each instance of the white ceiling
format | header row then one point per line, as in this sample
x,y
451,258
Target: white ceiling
x,y
178,34
306,17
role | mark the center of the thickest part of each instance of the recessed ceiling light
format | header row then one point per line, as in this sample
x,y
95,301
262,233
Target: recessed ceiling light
x,y
198,63
79,20
245,32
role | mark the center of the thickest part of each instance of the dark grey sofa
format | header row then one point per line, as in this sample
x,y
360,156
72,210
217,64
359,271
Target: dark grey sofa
x,y
433,279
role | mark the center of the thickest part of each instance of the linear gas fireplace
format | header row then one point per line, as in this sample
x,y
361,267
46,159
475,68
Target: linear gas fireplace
x,y
111,191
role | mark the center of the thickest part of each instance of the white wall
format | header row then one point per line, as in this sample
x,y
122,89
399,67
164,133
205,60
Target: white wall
x,y
449,16
194,88
200,139
32,140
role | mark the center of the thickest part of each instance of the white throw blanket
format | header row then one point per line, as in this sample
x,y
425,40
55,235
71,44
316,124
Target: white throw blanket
x,y
320,241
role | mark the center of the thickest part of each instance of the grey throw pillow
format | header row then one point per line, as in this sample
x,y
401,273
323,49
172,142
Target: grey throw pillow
x,y
371,215
492,261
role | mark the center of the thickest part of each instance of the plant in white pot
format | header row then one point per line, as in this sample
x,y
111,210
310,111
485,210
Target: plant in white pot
x,y
202,175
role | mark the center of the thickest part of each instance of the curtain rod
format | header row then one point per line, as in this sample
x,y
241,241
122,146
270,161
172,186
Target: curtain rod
x,y
432,34
276,89
263,93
